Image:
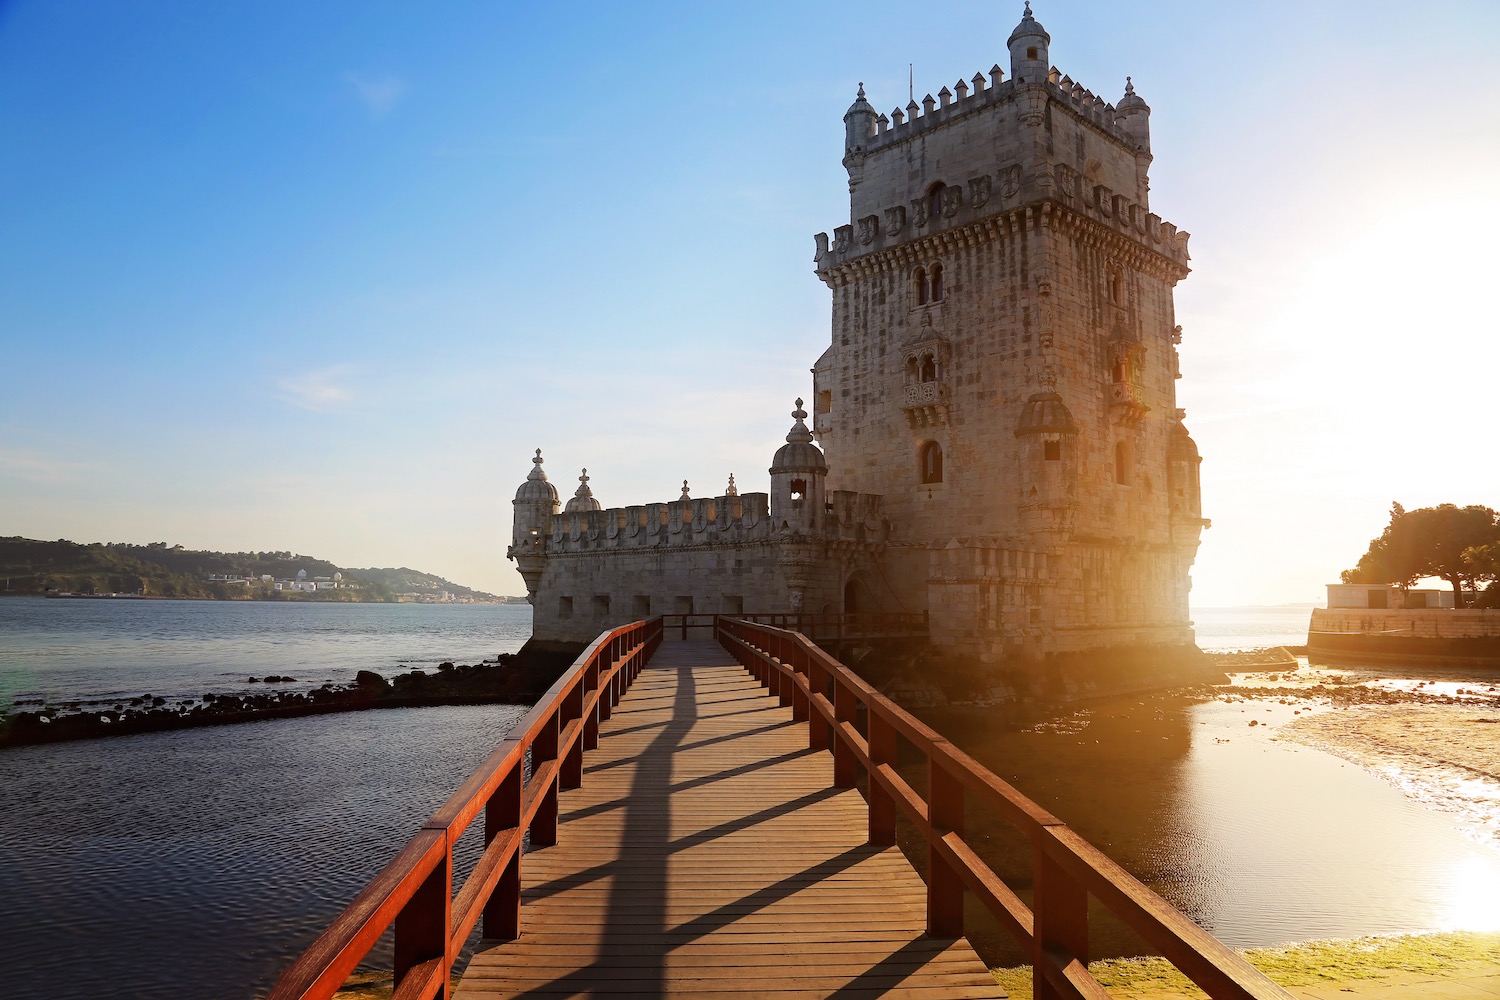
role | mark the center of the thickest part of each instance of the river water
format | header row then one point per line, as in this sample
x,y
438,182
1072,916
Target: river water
x,y
198,862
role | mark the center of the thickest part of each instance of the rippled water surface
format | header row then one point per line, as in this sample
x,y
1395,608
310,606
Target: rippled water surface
x,y
1220,629
198,863
101,651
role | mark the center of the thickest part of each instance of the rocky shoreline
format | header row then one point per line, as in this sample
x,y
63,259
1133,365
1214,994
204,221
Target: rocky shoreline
x,y
518,678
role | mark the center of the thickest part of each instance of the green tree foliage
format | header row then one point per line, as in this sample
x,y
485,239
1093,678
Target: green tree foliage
x,y
1450,542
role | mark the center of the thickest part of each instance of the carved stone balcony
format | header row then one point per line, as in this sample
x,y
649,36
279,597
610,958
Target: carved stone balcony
x,y
1126,404
926,404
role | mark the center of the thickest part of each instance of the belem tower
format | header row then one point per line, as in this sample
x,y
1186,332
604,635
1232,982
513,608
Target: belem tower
x,y
994,437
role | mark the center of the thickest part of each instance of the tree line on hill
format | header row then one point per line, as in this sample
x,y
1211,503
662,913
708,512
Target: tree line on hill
x,y
28,566
1460,545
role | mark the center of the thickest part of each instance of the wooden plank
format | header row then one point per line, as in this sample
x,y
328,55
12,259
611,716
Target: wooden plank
x,y
707,853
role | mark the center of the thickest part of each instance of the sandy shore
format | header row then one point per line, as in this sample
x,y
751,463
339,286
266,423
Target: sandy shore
x,y
1457,736
1436,738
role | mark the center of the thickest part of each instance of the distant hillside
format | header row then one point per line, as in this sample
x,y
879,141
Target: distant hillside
x,y
28,566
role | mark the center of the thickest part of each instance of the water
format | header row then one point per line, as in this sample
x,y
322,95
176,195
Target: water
x,y
102,652
1221,629
200,862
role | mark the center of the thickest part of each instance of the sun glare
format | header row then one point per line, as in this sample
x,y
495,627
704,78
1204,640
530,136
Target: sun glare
x,y
1473,897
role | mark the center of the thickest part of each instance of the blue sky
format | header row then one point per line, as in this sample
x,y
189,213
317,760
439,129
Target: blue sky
x,y
320,276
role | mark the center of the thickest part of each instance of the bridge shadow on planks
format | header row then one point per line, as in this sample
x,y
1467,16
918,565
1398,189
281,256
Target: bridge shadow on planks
x,y
707,854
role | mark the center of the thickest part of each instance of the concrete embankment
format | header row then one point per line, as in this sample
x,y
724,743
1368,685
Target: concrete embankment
x,y
1426,637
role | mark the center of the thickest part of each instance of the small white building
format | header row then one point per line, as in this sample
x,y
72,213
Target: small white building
x,y
1386,596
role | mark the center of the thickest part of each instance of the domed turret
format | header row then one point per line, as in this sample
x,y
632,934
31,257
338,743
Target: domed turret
x,y
583,499
1028,49
535,503
1045,413
797,474
1183,463
859,122
799,454
536,488
1134,116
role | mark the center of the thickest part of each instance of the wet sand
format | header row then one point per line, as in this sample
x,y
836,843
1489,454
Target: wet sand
x,y
1435,738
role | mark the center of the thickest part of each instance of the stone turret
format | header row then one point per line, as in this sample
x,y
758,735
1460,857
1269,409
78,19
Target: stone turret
x,y
1134,116
1028,50
797,474
583,498
1048,438
1183,489
536,501
860,126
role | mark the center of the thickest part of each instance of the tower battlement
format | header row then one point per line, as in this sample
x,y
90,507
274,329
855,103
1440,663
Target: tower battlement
x,y
729,519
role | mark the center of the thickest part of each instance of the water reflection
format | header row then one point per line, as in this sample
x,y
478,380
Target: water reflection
x,y
1258,840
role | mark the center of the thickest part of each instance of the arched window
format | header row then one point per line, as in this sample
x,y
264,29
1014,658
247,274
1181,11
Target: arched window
x,y
1116,282
1122,463
935,201
932,462
919,283
798,490
1052,451
1121,370
936,281
929,369
913,372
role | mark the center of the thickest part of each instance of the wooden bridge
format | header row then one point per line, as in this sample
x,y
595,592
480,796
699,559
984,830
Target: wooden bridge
x,y
691,823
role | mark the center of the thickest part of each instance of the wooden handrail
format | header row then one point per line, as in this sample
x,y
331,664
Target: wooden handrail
x,y
415,892
1066,869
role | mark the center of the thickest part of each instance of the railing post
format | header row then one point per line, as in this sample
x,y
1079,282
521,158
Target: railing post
x,y
422,925
1060,915
786,685
590,737
544,749
799,663
845,765
945,889
819,732
502,914
606,701
570,775
882,806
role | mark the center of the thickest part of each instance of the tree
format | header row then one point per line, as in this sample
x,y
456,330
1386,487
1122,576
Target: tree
x,y
1430,541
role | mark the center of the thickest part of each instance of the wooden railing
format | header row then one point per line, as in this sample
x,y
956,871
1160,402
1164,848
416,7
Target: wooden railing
x,y
415,891
834,627
1066,869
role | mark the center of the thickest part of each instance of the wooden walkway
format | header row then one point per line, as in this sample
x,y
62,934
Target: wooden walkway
x,y
707,854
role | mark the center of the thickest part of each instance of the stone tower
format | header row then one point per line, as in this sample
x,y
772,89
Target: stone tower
x,y
1002,366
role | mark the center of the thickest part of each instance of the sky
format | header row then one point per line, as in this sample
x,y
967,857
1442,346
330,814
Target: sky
x,y
321,276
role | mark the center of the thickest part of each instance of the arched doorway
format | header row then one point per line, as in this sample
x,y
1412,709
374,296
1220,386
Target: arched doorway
x,y
859,598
